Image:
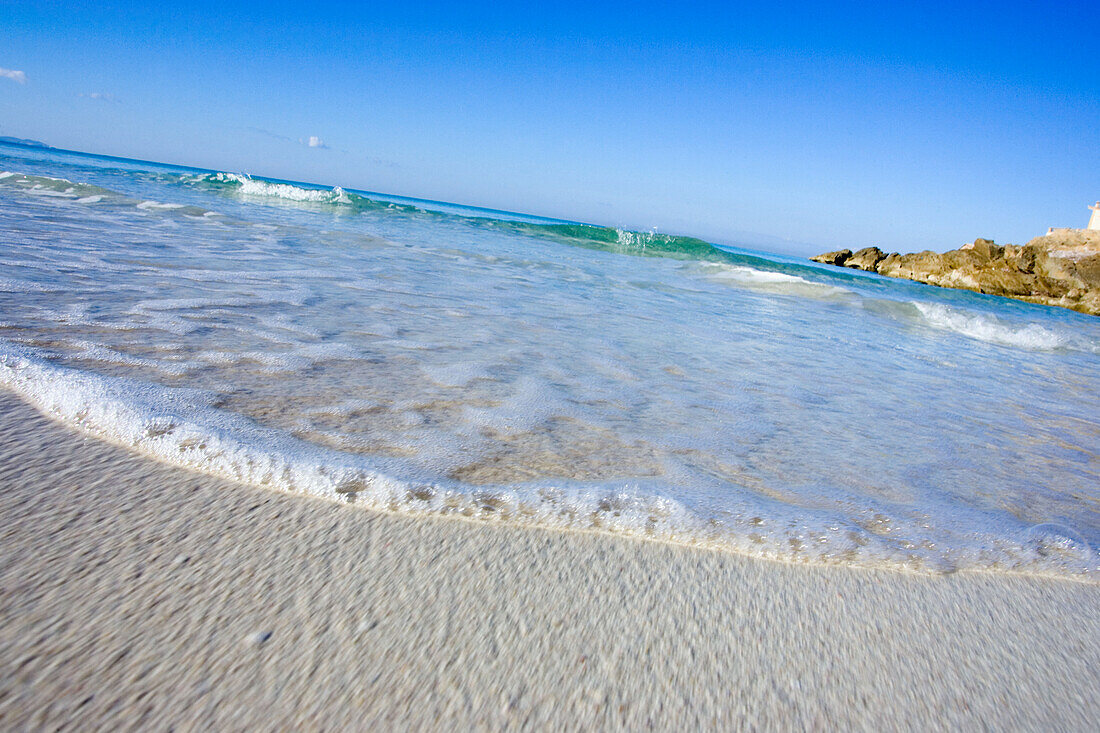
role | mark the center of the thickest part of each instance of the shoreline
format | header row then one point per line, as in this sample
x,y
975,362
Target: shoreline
x,y
96,407
135,593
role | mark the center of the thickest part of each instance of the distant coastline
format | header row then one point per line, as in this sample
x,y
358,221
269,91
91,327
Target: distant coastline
x,y
23,141
1061,268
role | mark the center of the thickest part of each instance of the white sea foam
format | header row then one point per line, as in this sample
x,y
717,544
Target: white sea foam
x,y
40,190
749,274
182,427
771,281
253,187
31,178
47,186
84,193
989,328
640,240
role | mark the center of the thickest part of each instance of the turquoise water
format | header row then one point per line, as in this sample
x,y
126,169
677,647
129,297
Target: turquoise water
x,y
432,358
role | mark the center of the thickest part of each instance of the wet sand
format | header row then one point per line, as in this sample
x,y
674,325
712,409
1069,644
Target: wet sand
x,y
136,594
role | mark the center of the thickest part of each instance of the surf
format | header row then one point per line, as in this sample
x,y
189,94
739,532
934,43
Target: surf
x,y
388,355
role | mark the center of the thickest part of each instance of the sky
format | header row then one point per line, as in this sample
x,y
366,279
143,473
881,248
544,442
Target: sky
x,y
800,127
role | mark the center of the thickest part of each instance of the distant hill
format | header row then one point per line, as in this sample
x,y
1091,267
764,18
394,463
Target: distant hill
x,y
23,141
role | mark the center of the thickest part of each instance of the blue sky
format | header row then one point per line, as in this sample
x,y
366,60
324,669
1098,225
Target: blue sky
x,y
800,127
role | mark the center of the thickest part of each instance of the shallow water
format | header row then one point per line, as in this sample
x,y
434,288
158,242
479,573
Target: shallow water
x,y
429,357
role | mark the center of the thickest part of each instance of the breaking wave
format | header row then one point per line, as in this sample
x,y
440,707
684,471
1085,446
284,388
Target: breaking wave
x,y
990,328
744,270
713,421
245,185
86,193
57,187
589,236
780,283
186,428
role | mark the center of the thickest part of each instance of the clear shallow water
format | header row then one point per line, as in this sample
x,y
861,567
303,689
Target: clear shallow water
x,y
527,370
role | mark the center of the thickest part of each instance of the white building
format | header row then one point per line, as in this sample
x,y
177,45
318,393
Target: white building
x,y
1094,220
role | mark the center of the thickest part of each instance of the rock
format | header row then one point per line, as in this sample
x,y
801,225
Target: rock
x,y
1089,303
258,638
983,248
1020,258
865,259
833,258
1087,270
915,266
888,262
1006,282
1061,268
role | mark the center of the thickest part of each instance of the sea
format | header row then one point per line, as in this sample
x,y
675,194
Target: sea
x,y
435,359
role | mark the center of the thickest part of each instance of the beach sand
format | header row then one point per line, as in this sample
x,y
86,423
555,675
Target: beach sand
x,y
136,594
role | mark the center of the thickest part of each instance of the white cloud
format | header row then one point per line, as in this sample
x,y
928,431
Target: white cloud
x,y
101,97
316,142
17,76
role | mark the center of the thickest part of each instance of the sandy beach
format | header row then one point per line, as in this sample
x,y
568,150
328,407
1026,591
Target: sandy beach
x,y
139,595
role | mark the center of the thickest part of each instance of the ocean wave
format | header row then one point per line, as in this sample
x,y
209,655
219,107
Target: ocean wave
x,y
770,281
990,329
57,187
187,428
984,327
254,187
614,239
86,193
590,236
184,427
245,185
741,269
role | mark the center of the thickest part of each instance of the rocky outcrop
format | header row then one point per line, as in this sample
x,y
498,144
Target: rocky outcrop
x,y
1062,268
837,258
866,259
